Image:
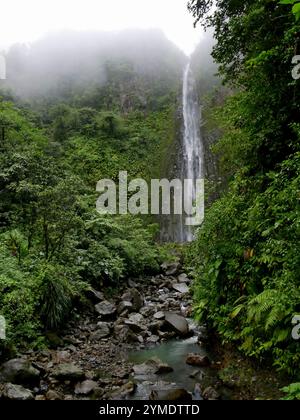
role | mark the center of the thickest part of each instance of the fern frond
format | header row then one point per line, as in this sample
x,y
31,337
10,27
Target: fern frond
x,y
261,304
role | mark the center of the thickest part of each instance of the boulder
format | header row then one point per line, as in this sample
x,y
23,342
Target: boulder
x,y
148,311
178,323
19,371
136,323
159,316
125,335
136,328
102,331
94,295
134,296
106,309
86,387
154,327
181,288
123,392
124,306
68,372
137,318
152,367
16,392
153,339
197,360
183,278
171,269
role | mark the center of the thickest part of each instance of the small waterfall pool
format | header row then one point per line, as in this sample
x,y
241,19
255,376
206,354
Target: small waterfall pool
x,y
174,353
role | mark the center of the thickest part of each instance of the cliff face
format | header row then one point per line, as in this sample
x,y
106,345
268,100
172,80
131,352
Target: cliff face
x,y
173,170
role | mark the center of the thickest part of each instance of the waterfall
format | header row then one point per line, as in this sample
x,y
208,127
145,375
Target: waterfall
x,y
192,149
190,161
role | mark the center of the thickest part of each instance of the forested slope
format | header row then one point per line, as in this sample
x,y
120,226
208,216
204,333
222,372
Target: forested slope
x,y
70,117
247,252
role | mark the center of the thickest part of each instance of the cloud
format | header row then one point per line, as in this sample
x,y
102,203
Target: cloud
x,y
26,21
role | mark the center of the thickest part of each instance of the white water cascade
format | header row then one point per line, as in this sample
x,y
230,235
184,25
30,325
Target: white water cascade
x,y
190,161
192,147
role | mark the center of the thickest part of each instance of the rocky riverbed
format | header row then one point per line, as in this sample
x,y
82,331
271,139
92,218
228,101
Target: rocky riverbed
x,y
90,360
95,357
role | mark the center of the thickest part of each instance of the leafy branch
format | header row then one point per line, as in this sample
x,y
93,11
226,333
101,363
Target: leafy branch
x,y
295,8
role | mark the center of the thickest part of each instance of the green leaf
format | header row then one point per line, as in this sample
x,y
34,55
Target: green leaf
x,y
296,11
236,311
288,1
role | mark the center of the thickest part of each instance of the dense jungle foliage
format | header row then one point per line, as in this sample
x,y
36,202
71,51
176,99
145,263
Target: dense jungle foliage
x,y
62,130
247,251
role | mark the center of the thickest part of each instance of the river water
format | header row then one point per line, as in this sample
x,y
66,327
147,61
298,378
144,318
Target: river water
x,y
173,353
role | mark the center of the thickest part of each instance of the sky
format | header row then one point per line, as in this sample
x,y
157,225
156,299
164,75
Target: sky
x,y
27,20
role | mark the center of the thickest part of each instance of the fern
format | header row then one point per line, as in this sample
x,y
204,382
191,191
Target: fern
x,y
275,316
261,304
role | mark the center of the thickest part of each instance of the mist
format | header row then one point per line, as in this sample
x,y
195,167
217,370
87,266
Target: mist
x,y
69,60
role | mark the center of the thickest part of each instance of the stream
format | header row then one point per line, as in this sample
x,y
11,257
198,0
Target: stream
x,y
174,354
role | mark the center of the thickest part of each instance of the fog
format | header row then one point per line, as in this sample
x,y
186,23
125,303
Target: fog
x,y
64,48
69,62
27,21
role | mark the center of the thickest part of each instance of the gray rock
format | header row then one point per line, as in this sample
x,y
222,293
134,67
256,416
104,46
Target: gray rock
x,y
181,288
141,339
136,328
171,269
159,316
195,374
106,309
177,322
102,331
123,392
211,394
137,318
148,311
183,278
94,295
153,339
86,387
132,284
40,398
68,372
125,335
154,327
124,306
54,396
136,323
135,297
16,392
152,367
197,360
18,371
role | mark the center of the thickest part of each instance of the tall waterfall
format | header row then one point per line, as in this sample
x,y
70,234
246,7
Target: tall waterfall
x,y
190,161
192,149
